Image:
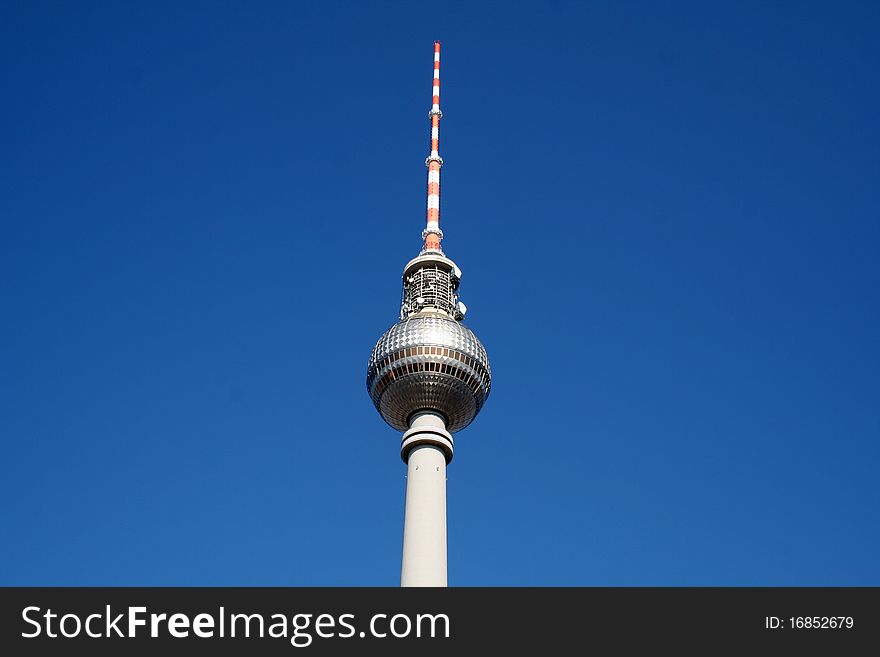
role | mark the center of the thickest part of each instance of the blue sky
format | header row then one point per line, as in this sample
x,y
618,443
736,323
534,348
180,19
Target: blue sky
x,y
667,219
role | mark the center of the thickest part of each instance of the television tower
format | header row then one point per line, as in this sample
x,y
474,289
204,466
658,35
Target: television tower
x,y
428,376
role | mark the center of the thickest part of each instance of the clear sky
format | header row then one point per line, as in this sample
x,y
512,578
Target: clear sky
x,y
667,219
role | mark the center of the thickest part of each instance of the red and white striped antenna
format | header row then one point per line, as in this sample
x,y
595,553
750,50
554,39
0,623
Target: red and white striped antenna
x,y
432,233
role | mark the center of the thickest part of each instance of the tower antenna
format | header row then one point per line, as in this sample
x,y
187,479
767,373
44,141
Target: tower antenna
x,y
432,233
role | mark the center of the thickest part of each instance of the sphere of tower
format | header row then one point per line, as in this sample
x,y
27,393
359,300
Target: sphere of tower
x,y
429,362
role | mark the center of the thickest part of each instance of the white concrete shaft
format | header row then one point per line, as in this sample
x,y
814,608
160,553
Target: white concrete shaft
x,y
424,524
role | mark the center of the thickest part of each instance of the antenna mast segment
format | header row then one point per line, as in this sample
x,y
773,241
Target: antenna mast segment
x,y
432,233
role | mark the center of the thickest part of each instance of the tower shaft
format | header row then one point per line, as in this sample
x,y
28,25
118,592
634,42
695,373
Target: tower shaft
x,y
425,448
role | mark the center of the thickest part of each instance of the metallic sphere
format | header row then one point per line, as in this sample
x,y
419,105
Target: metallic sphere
x,y
429,362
